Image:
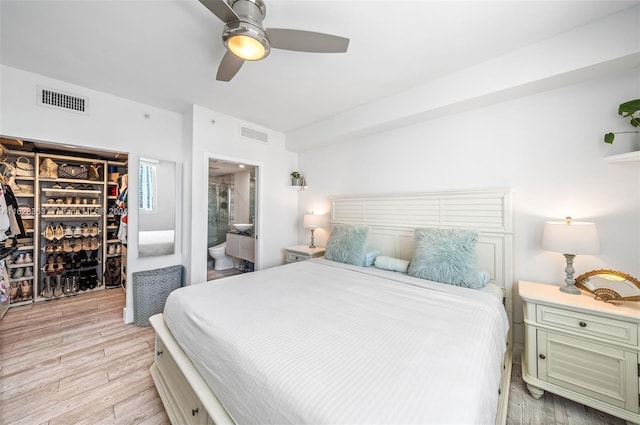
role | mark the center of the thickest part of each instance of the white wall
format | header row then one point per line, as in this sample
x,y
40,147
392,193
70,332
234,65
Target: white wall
x,y
216,135
113,123
548,147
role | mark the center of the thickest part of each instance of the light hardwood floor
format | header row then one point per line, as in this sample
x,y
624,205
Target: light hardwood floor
x,y
74,361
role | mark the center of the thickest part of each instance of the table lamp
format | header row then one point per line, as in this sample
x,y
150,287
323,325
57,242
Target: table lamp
x,y
570,238
312,222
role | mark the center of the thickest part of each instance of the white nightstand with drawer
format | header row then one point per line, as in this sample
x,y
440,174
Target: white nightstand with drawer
x,y
582,349
303,252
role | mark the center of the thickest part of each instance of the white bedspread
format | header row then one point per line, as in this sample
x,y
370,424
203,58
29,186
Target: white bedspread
x,y
320,342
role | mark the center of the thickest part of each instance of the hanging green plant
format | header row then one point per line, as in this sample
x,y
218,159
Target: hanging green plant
x,y
627,110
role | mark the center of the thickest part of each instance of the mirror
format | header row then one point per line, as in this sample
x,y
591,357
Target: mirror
x,y
156,207
610,285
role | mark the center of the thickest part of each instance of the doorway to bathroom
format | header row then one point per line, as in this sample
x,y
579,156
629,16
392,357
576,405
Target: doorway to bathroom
x,y
231,218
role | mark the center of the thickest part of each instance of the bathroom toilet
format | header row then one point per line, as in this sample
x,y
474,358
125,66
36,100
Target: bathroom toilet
x,y
221,260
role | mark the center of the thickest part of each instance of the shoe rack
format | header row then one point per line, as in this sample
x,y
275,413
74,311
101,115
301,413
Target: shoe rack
x,y
115,252
70,225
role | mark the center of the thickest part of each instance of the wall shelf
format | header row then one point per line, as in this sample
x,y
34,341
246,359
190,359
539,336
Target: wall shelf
x,y
623,157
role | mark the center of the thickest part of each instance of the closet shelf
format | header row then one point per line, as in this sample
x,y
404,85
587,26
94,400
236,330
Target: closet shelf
x,y
58,217
83,192
72,181
20,279
17,266
25,248
68,206
26,178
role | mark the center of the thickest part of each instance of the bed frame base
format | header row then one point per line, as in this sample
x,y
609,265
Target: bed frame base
x,y
184,394
188,399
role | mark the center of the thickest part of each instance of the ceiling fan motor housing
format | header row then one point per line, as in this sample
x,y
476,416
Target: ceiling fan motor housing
x,y
251,14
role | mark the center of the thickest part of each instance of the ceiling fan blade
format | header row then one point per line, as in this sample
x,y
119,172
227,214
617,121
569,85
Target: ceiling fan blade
x,y
229,67
221,9
306,41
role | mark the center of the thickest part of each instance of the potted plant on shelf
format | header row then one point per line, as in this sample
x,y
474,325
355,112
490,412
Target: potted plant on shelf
x,y
295,178
629,109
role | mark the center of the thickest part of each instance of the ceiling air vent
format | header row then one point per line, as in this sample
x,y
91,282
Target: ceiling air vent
x,y
60,100
254,134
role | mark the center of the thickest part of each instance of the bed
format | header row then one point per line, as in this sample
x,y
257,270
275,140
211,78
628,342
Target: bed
x,y
321,341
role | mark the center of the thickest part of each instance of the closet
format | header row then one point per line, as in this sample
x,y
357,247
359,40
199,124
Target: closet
x,y
72,211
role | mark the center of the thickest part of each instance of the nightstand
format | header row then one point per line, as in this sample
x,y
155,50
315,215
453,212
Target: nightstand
x,y
303,252
582,349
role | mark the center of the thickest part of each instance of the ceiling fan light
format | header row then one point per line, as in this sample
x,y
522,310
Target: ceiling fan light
x,y
246,47
246,40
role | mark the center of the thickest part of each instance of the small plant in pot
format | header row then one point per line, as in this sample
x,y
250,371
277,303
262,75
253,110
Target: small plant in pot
x,y
630,110
295,178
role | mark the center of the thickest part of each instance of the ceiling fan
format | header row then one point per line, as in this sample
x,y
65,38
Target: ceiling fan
x,y
246,39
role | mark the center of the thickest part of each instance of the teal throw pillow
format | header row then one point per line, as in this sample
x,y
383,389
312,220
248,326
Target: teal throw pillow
x,y
347,244
447,256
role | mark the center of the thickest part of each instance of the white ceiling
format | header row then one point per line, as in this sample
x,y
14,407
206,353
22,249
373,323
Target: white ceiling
x,y
166,52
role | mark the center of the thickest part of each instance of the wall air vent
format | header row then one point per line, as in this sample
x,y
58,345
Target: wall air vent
x,y
64,101
254,134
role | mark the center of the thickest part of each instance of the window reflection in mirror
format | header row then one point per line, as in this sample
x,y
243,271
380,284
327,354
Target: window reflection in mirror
x,y
157,207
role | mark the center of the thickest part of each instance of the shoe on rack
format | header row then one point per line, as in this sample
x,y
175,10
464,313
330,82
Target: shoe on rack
x,y
85,229
51,265
47,292
57,248
57,291
67,284
18,273
67,246
27,258
68,231
93,260
28,272
75,283
59,264
93,280
13,291
77,261
77,232
118,249
94,244
25,287
111,250
68,262
20,259
94,230
59,232
86,243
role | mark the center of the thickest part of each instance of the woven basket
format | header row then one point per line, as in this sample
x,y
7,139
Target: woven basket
x,y
151,289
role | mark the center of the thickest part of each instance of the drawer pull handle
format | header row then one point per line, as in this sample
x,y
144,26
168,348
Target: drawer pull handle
x,y
542,356
194,411
583,325
159,353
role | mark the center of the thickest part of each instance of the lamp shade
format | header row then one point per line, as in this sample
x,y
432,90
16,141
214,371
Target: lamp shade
x,y
571,237
312,221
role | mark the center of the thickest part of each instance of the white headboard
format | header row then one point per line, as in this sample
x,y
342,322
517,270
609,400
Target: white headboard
x,y
392,219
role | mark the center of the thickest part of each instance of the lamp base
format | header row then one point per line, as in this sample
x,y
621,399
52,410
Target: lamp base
x,y
312,245
570,290
569,280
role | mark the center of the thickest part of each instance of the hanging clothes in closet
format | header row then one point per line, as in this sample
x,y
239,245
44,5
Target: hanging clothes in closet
x,y
121,203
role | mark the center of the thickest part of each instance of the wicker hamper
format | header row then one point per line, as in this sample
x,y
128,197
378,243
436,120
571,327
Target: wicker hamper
x,y
150,291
